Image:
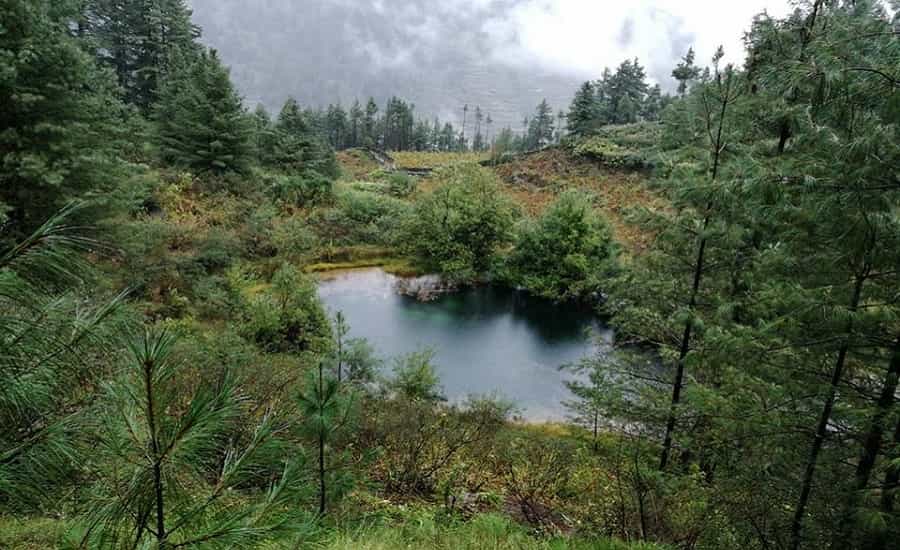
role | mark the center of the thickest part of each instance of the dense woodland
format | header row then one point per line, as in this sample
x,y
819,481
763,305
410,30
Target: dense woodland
x,y
170,378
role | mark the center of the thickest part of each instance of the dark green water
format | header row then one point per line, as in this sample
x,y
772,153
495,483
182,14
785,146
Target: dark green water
x,y
488,340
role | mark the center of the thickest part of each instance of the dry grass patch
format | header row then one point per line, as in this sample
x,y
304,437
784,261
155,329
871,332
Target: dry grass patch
x,y
425,159
536,180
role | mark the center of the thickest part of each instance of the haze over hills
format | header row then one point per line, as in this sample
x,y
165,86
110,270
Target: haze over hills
x,y
330,52
441,56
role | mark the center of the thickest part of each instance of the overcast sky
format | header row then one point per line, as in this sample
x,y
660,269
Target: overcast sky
x,y
584,36
504,55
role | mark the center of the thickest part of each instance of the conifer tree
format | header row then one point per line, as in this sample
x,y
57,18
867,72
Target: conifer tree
x,y
370,124
57,111
327,409
53,337
140,40
202,124
686,72
162,447
582,113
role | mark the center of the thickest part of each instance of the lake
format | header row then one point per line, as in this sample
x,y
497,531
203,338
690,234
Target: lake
x,y
488,340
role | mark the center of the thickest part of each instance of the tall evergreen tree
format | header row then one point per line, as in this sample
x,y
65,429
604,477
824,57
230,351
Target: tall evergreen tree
x,y
201,121
57,113
583,111
140,40
686,72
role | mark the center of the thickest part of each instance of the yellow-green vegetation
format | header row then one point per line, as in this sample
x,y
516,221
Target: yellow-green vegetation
x,y
425,530
22,533
425,159
534,181
356,164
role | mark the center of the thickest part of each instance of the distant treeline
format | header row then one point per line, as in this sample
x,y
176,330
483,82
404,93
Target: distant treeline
x,y
618,97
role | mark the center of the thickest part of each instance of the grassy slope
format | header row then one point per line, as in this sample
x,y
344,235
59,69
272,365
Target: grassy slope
x,y
483,532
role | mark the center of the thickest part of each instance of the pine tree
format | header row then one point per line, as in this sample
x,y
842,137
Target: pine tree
x,y
173,461
356,124
540,127
57,112
327,411
686,72
140,40
202,124
54,337
582,113
370,132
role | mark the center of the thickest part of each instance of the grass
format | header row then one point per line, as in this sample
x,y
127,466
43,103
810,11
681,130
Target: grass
x,y
363,256
424,159
31,533
536,180
483,532
356,164
418,529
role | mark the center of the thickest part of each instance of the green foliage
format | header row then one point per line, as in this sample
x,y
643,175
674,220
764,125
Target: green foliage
x,y
294,239
458,228
362,217
415,377
51,339
163,444
582,113
201,121
328,413
423,529
138,41
57,111
287,316
304,189
567,253
401,185
610,154
424,443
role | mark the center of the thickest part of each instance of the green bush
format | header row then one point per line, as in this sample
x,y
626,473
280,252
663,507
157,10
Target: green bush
x,y
458,228
567,253
304,189
610,154
361,217
401,185
287,316
294,239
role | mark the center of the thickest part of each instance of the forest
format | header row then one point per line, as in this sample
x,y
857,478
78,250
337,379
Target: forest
x,y
170,376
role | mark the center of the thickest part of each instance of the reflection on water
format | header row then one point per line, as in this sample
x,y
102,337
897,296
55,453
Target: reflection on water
x,y
487,339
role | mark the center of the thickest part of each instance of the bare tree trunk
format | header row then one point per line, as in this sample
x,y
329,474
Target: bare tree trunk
x,y
822,427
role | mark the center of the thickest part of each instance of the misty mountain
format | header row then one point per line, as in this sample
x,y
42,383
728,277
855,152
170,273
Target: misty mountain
x,y
438,56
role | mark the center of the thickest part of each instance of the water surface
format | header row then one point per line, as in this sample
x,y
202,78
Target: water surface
x,y
487,339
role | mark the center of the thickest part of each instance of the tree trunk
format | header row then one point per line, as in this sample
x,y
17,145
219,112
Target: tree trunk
x,y
321,442
822,427
685,349
872,445
678,384
154,447
891,479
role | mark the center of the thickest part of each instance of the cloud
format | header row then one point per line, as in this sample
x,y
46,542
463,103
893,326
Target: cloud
x,y
504,55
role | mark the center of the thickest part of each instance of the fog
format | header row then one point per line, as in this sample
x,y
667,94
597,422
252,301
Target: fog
x,y
504,55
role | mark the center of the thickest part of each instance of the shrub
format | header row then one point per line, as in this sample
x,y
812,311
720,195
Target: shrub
x,y
567,253
306,188
361,217
401,185
458,228
294,239
612,155
287,316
